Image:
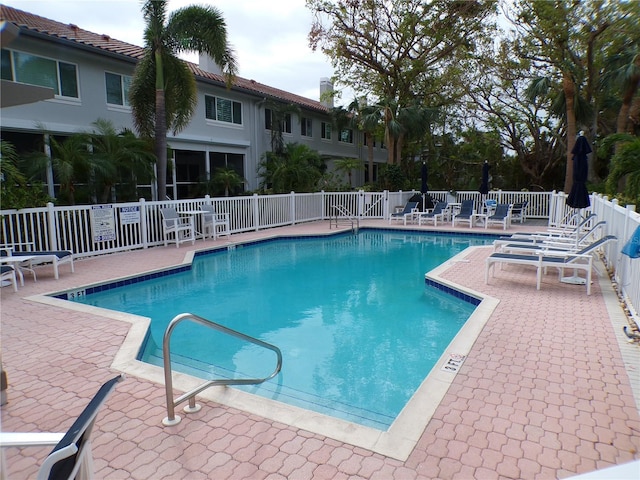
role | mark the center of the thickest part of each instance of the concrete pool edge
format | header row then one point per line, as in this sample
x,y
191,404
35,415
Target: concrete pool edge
x,y
398,442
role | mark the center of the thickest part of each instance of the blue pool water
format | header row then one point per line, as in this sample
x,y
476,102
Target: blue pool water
x,y
358,328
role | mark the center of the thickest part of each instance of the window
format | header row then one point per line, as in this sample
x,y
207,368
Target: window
x,y
326,131
223,110
346,135
44,72
268,121
117,88
305,127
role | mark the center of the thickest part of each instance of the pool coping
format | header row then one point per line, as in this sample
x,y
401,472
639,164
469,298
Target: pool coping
x,y
397,442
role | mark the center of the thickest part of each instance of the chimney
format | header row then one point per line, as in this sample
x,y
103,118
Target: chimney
x,y
206,63
326,91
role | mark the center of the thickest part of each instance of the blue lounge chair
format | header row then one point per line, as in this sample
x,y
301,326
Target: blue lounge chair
x,y
408,211
580,260
39,257
8,273
465,214
500,216
437,212
519,211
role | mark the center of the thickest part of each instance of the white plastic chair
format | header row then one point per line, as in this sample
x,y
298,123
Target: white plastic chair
x,y
181,228
215,224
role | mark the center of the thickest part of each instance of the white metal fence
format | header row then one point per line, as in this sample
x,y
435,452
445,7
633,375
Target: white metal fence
x,y
89,230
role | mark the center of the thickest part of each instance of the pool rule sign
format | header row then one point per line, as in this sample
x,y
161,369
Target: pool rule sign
x,y
103,223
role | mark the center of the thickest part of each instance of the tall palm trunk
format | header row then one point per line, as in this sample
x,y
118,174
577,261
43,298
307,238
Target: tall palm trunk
x,y
569,88
161,129
369,138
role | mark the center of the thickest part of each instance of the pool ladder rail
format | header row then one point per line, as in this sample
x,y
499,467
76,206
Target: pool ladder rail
x,y
341,213
172,418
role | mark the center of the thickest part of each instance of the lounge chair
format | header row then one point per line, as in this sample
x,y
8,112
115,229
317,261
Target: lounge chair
x,y
566,230
519,211
71,458
490,206
542,259
181,228
8,273
215,223
409,210
500,216
465,214
540,242
437,212
38,257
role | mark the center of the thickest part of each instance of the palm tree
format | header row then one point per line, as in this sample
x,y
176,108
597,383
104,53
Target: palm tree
x,y
163,89
625,165
279,112
298,169
131,157
368,119
348,165
227,178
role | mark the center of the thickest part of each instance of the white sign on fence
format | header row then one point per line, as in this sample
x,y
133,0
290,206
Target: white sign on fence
x,y
103,223
129,215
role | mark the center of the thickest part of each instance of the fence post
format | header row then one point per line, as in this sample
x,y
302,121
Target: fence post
x,y
292,207
385,204
51,226
360,203
144,231
256,213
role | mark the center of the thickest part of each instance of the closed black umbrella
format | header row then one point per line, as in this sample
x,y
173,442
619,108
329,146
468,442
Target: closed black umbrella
x,y
426,198
579,196
484,185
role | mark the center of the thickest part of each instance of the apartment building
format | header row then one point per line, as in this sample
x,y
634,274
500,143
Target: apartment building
x,y
86,77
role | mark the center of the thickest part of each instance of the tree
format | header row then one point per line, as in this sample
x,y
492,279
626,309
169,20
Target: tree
x,y
348,165
15,192
163,89
368,119
227,179
625,166
297,169
397,50
130,158
279,113
566,41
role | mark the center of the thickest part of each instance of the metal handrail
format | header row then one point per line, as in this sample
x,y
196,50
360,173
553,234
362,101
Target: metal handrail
x,y
345,214
172,418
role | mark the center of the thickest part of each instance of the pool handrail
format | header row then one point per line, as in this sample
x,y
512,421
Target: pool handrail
x,y
172,418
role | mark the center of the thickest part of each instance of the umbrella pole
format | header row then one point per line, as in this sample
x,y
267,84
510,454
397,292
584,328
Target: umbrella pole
x,y
575,279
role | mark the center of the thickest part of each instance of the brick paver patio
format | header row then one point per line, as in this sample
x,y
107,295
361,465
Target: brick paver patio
x,y
545,392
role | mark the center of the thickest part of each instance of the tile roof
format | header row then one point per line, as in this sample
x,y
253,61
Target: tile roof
x,y
73,33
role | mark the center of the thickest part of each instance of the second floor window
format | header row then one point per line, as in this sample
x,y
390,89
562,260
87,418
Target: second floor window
x,y
305,127
22,67
117,89
346,135
326,131
268,121
223,110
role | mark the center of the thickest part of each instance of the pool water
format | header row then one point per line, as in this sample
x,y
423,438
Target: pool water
x,y
358,328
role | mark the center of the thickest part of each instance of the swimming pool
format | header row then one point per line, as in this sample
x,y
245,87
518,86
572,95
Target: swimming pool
x,y
358,327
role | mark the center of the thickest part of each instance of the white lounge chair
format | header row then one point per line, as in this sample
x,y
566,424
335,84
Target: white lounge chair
x,y
409,210
465,214
542,259
526,245
8,273
437,212
519,211
500,216
215,224
71,458
38,257
181,228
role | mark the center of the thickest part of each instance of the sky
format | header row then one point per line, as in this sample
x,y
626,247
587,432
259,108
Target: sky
x,y
270,42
